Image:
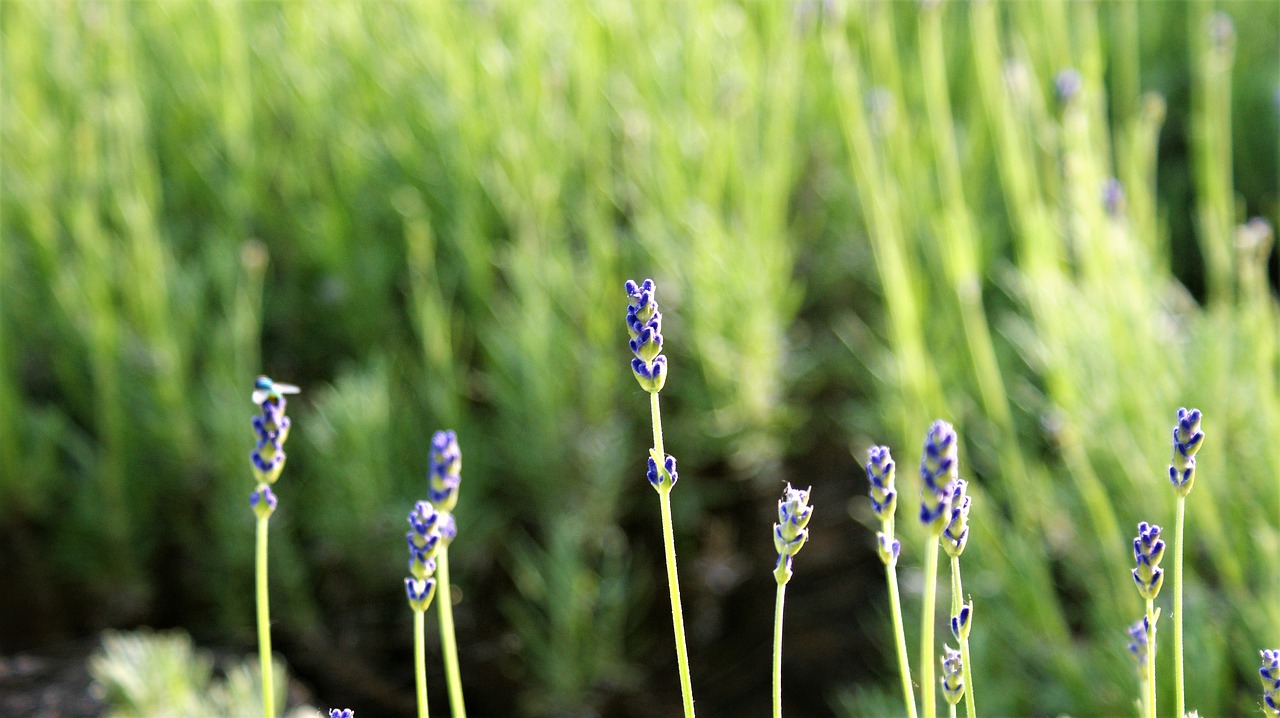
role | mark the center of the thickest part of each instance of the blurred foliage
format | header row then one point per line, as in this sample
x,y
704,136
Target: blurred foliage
x,y
860,216
162,675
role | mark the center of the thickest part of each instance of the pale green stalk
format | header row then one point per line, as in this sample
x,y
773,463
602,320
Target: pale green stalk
x,y
895,608
1151,659
673,582
957,600
420,660
448,641
1179,687
264,624
777,651
927,687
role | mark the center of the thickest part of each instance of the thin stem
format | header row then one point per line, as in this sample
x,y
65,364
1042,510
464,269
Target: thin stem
x,y
930,707
448,641
1178,686
952,708
777,652
264,624
677,616
957,601
895,608
673,581
1151,658
420,660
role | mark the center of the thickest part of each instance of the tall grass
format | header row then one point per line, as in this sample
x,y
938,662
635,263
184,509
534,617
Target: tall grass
x,y
422,213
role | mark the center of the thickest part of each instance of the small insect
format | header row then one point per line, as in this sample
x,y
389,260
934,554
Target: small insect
x,y
264,388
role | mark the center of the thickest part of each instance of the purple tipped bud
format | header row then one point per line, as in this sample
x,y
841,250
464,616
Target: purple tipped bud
x,y
1148,549
1138,633
1270,674
262,501
644,324
444,474
956,534
952,675
790,533
420,592
664,477
880,472
1187,438
960,622
341,713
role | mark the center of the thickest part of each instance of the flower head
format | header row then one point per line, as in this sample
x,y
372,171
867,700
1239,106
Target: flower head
x,y
938,469
445,473
272,429
644,324
790,533
880,472
424,539
952,675
1148,549
1187,438
262,501
341,713
956,534
1270,674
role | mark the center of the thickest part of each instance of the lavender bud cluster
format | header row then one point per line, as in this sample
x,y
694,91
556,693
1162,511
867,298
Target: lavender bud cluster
x,y
1270,673
884,501
644,324
341,713
271,427
444,477
1187,438
790,533
1138,633
956,535
1148,549
938,472
424,544
952,675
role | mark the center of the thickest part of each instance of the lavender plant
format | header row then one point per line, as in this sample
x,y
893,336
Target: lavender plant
x,y
938,471
425,544
1187,438
644,324
1138,650
952,678
267,460
444,478
1270,675
954,539
1148,549
789,536
884,503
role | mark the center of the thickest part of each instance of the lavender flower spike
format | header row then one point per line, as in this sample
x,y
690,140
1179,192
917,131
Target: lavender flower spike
x,y
1187,438
956,535
884,501
1148,549
938,469
1270,673
271,427
644,324
424,545
952,675
445,473
790,534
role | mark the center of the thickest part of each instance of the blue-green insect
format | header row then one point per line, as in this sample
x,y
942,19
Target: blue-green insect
x,y
265,388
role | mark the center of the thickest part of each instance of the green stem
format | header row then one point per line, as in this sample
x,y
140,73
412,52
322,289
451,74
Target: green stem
x,y
1151,658
930,707
777,652
1178,686
448,641
957,601
264,624
420,660
673,581
904,666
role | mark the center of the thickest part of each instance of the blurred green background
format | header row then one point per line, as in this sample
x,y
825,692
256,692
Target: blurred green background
x,y
861,216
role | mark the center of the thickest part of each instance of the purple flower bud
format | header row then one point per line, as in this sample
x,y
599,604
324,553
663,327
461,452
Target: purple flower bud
x,y
420,592
1270,674
880,472
952,675
341,713
644,324
665,477
1138,633
790,533
445,473
938,470
271,428
262,501
1148,549
1187,438
956,534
